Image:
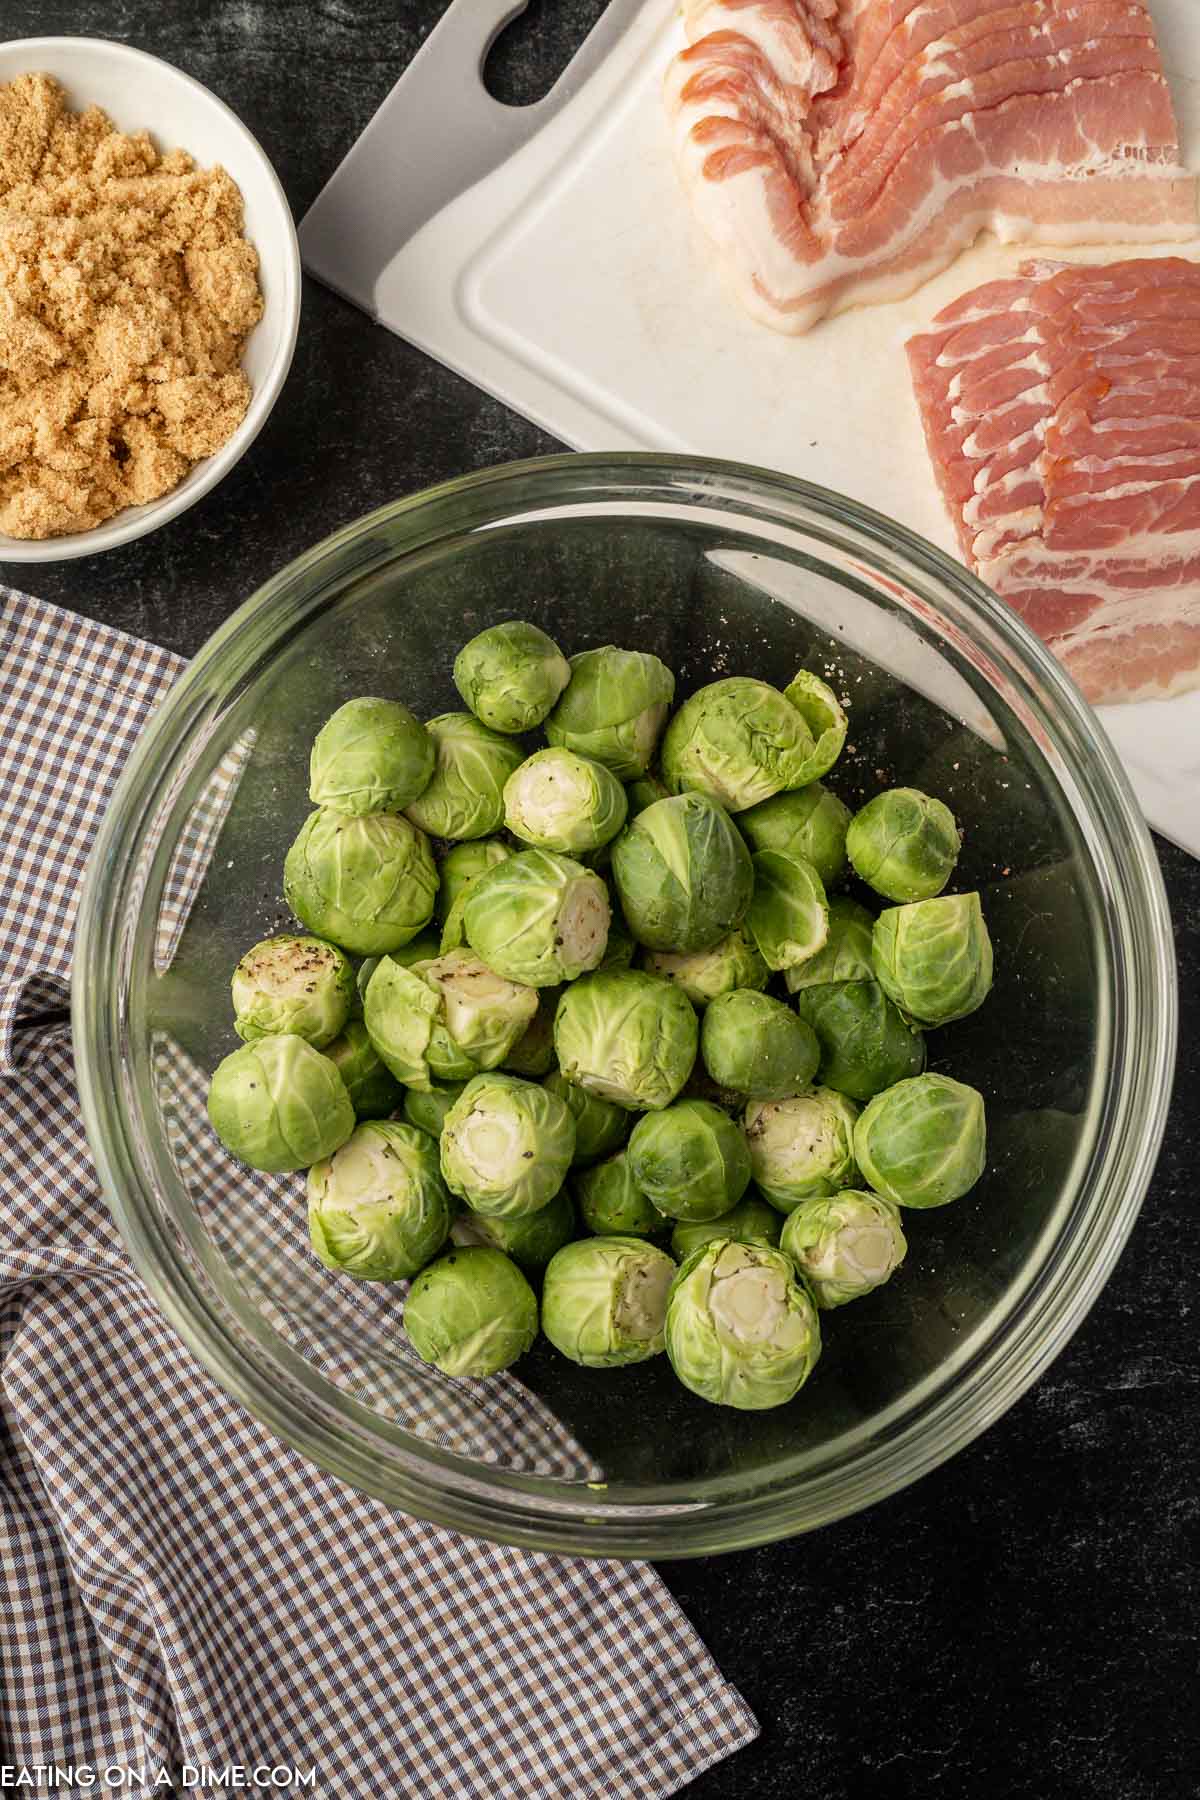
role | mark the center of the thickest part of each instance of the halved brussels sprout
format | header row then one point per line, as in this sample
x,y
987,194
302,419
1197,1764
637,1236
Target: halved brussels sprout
x,y
809,822
683,874
738,741
934,958
510,676
822,712
844,956
367,883
373,1089
904,844
471,1312
756,1046
538,918
557,800
444,1020
372,756
845,1246
803,1147
464,797
643,793
788,916
628,1037
600,1126
531,1239
751,1221
604,1300
426,1108
378,1207
742,1330
278,1104
691,1160
459,868
866,1043
704,975
533,1053
923,1143
295,984
611,1204
613,709
506,1145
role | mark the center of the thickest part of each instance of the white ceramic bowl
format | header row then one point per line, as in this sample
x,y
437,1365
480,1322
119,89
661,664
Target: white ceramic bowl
x,y
140,92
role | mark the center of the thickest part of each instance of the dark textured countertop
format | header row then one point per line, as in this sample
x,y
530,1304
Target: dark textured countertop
x,y
1022,1622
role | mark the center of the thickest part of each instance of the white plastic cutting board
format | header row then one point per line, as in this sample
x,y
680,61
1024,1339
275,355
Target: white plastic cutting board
x,y
548,254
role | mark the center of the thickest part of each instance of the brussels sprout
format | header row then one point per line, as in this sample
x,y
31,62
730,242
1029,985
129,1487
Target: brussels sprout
x,y
613,709
751,1221
444,1020
844,1246
754,1045
788,916
611,1204
533,1053
738,741
372,756
626,1036
465,795
866,1044
559,801
903,844
690,1160
683,874
378,1207
506,1145
373,1089
742,1330
923,1142
368,884
539,918
427,1108
844,956
704,975
292,984
822,712
530,1239
604,1300
511,675
934,958
278,1104
643,793
459,868
600,1126
802,1148
809,822
471,1312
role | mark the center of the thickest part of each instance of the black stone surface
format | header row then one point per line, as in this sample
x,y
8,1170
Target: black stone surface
x,y
1021,1625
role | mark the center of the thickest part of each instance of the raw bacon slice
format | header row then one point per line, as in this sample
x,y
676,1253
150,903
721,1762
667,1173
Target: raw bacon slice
x,y
1062,414
842,151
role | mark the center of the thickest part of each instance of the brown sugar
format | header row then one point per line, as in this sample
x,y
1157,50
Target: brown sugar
x,y
126,294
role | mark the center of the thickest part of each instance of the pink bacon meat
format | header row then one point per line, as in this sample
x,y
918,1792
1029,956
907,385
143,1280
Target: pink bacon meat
x,y
841,151
1062,414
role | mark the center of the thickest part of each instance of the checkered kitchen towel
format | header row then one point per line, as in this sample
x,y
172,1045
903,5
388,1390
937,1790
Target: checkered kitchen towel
x,y
177,1587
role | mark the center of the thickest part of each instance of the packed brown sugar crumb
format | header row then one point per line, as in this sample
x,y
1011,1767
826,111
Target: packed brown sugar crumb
x,y
126,294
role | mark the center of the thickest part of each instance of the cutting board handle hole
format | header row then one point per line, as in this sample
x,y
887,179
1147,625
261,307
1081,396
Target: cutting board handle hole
x,y
535,49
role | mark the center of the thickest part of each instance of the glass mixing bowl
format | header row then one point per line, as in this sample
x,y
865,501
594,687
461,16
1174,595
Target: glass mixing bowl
x,y
721,570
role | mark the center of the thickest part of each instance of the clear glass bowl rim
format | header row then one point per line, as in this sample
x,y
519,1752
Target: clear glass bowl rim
x,y
345,1438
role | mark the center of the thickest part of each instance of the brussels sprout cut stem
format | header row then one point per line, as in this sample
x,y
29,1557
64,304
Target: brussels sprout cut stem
x,y
559,801
802,1148
378,1207
292,984
506,1145
845,1246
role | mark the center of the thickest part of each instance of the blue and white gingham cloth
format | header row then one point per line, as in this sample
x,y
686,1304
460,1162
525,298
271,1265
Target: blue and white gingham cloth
x,y
178,1587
